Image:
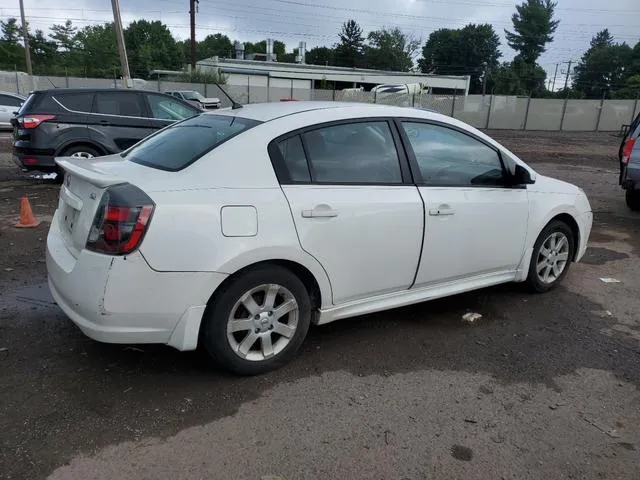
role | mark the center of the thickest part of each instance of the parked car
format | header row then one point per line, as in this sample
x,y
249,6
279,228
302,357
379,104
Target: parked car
x,y
196,99
9,104
629,155
88,123
236,229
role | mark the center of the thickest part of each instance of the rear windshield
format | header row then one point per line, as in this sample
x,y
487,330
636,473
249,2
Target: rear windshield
x,y
181,144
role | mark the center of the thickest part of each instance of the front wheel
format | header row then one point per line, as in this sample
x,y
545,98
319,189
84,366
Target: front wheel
x,y
258,322
551,257
633,199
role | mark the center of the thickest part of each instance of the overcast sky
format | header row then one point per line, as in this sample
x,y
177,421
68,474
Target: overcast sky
x,y
317,22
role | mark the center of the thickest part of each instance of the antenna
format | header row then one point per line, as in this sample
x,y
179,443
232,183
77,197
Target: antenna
x,y
234,105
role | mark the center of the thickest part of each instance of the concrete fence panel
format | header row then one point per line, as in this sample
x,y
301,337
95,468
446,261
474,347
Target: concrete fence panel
x,y
473,109
545,114
615,113
508,112
581,115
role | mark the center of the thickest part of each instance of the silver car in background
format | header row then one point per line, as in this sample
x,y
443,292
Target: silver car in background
x,y
9,103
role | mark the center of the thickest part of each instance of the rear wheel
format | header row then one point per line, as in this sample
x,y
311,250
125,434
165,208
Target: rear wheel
x,y
633,199
258,322
551,257
76,151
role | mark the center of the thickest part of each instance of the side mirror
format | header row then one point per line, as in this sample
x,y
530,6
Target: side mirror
x,y
521,176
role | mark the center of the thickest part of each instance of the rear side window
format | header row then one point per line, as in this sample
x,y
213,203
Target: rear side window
x,y
39,103
79,102
181,144
126,104
294,159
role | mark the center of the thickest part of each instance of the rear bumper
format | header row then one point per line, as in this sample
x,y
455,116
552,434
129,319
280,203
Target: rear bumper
x,y
631,177
122,300
34,161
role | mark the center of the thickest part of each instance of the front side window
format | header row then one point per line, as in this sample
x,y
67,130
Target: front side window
x,y
10,101
447,157
179,145
353,153
165,108
192,96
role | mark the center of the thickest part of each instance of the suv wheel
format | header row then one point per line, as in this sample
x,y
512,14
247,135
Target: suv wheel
x,y
80,151
258,322
551,257
633,199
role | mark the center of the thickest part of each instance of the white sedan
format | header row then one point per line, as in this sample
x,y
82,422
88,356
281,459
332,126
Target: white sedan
x,y
235,230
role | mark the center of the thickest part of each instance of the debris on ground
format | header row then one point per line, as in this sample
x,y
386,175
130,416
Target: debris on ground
x,y
612,432
471,317
609,280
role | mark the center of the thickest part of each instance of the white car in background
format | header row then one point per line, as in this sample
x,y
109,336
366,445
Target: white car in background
x,y
235,230
9,104
196,99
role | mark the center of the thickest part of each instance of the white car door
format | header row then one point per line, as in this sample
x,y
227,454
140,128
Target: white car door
x,y
353,204
475,222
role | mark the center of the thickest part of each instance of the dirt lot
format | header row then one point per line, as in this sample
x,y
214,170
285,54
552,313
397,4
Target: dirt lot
x,y
543,386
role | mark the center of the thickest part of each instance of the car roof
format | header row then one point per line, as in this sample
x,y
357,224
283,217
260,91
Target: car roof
x,y
265,112
12,94
94,90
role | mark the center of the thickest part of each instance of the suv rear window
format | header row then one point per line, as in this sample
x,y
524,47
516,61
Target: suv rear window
x,y
181,144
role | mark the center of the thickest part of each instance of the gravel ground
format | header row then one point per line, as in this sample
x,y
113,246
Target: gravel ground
x,y
543,386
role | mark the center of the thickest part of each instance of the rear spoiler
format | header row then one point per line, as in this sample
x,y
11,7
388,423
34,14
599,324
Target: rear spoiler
x,y
80,167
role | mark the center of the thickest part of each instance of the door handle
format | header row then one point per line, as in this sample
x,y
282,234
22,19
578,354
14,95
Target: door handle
x,y
320,211
104,122
442,210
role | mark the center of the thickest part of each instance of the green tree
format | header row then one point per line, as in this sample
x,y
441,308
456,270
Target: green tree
x,y
320,56
471,50
279,48
11,50
390,50
631,88
150,46
604,67
44,54
533,27
349,51
214,45
98,54
65,36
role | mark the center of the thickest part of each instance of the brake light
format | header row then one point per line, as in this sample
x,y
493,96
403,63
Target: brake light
x,y
627,149
121,221
33,121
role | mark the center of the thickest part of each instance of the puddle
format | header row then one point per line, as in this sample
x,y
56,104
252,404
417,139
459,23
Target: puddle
x,y
34,295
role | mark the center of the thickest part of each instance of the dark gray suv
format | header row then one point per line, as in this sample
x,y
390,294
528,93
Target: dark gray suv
x,y
88,123
629,155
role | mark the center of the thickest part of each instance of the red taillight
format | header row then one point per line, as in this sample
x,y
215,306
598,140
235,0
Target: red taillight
x,y
121,220
627,149
32,121
29,161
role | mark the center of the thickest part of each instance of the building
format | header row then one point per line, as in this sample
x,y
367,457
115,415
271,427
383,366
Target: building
x,y
263,70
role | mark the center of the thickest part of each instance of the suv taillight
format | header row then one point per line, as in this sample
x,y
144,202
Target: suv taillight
x,y
121,220
33,121
627,149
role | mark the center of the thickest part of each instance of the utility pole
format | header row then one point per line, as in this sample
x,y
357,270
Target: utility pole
x,y
566,79
193,5
25,34
122,50
553,85
484,79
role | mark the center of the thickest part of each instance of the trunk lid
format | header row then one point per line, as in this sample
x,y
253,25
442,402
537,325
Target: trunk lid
x,y
84,184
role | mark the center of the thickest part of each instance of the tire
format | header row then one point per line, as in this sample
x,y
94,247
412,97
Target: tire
x,y
633,199
544,277
82,151
253,322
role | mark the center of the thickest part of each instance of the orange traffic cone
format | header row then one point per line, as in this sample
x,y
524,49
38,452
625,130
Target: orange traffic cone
x,y
27,219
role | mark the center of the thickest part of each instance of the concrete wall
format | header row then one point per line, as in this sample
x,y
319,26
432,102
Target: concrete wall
x,y
498,111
